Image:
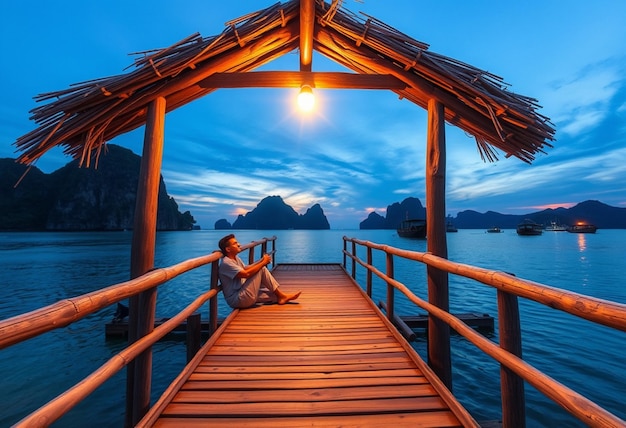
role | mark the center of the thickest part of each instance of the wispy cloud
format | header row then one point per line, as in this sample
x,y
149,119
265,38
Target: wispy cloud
x,y
584,102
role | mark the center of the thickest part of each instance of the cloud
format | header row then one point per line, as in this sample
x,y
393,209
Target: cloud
x,y
551,180
582,101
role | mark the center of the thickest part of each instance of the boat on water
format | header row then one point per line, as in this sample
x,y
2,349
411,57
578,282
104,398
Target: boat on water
x,y
413,228
555,227
494,230
450,227
582,227
529,228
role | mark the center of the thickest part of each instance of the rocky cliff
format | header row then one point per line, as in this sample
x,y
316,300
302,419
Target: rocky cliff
x,y
273,214
409,208
594,212
81,199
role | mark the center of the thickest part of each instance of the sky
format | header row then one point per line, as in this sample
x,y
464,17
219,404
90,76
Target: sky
x,y
360,150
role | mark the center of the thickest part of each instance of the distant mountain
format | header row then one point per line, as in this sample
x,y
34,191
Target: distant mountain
x,y
80,199
374,221
222,224
273,214
594,212
410,208
470,219
26,206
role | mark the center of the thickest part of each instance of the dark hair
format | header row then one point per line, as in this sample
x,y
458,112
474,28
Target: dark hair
x,y
224,242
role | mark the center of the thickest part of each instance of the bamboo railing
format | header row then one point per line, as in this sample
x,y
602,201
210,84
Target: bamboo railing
x,y
509,287
26,326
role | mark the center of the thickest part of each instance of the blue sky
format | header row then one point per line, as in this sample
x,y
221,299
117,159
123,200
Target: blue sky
x,y
361,150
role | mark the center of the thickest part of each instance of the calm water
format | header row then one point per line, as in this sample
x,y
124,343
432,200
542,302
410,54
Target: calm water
x,y
39,269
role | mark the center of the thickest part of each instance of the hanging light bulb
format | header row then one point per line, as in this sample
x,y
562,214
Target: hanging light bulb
x,y
306,100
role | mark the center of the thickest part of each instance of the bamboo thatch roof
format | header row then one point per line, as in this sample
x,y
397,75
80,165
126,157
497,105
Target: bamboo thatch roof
x,y
85,116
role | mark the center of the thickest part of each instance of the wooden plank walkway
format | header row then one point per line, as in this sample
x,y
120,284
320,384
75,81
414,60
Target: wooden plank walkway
x,y
330,359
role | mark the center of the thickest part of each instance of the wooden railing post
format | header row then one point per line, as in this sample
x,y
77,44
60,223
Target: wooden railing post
x,y
511,385
353,260
213,310
390,288
251,255
273,250
194,335
368,282
345,249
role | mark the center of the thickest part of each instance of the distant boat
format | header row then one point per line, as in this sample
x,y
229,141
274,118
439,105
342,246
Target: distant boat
x,y
450,227
415,228
529,228
494,230
582,227
555,227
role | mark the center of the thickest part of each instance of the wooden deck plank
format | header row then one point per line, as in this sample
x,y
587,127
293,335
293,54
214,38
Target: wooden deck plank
x,y
443,419
311,394
410,372
329,359
215,387
328,368
217,360
304,408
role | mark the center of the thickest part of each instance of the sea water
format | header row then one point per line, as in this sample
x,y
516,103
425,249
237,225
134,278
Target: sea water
x,y
38,269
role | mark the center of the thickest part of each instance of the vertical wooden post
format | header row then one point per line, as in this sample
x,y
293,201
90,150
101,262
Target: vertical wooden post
x,y
512,386
353,260
438,294
142,306
213,311
369,272
345,257
251,255
390,289
194,335
264,248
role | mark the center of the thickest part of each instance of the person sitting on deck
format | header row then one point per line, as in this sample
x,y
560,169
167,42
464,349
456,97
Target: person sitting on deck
x,y
244,286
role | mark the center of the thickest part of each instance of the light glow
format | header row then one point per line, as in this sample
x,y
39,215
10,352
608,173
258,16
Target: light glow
x,y
306,99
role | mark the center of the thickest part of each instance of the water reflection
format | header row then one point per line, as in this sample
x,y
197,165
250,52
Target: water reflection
x,y
582,242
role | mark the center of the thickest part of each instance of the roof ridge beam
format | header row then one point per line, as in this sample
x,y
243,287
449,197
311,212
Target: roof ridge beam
x,y
307,22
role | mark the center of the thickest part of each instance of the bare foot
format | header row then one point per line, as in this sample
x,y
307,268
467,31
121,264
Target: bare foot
x,y
288,298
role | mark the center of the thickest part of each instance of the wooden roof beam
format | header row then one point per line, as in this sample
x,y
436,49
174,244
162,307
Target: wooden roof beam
x,y
294,79
307,22
418,90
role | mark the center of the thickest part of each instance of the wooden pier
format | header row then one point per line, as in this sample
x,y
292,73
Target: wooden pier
x,y
329,359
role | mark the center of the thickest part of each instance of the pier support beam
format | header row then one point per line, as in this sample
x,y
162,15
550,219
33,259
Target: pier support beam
x,y
438,294
511,385
142,307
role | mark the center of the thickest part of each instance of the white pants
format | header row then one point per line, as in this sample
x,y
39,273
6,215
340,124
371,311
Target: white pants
x,y
259,288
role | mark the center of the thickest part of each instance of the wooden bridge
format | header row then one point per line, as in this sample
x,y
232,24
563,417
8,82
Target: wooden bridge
x,y
329,359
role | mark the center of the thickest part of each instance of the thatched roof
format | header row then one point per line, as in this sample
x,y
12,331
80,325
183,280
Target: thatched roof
x,y
85,116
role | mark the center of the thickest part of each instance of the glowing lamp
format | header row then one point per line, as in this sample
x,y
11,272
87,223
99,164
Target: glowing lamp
x,y
306,100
